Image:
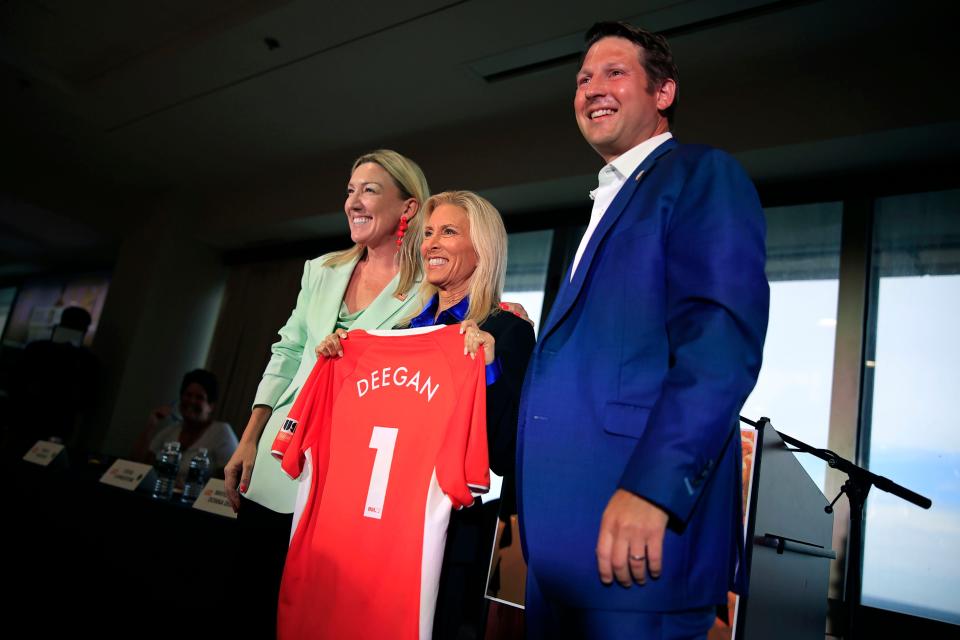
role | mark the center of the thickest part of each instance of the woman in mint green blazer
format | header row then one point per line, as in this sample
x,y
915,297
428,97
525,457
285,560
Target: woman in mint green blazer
x,y
370,286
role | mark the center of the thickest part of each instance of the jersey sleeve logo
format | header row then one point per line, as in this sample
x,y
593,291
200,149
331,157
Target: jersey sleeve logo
x,y
289,426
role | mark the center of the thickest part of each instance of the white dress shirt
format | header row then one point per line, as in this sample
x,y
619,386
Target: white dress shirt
x,y
610,180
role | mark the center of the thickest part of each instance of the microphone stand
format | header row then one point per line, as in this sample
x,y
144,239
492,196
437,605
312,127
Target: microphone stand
x,y
856,486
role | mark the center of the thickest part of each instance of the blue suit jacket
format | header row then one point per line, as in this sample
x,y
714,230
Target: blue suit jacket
x,y
637,379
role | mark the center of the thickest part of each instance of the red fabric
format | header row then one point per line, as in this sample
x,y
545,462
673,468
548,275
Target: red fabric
x,y
354,570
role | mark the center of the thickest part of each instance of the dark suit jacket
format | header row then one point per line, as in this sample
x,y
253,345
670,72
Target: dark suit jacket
x,y
460,603
637,379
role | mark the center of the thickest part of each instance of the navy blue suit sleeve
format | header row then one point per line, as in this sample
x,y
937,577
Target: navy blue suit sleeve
x,y
717,301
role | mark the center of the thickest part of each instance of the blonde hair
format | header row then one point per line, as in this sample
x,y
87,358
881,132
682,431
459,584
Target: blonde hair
x,y
409,178
489,239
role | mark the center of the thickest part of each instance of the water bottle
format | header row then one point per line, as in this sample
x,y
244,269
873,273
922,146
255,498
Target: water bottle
x,y
168,464
197,476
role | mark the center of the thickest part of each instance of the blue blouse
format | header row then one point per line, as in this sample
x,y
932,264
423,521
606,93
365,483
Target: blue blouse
x,y
453,315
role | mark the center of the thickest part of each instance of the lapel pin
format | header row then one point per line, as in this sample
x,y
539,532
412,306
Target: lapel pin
x,y
639,175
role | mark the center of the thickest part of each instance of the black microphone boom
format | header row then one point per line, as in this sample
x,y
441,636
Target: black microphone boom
x,y
856,486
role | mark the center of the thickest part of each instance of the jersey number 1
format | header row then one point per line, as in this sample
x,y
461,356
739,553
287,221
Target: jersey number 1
x,y
384,439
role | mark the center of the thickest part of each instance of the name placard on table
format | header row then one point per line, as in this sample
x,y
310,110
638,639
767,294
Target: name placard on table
x,y
126,474
43,452
213,499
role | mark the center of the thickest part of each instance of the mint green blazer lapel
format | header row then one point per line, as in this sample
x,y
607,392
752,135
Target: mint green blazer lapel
x,y
333,287
327,289
386,310
324,291
331,290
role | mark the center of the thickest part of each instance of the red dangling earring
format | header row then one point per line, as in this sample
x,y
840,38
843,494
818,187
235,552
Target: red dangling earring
x,y
401,229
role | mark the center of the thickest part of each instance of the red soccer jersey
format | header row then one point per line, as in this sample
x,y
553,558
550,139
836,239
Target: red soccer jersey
x,y
384,440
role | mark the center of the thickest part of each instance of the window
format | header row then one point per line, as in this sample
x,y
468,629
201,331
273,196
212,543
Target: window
x,y
40,303
528,259
911,555
7,295
803,265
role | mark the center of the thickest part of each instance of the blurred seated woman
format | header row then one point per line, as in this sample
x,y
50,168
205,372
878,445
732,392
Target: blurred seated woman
x,y
464,252
193,426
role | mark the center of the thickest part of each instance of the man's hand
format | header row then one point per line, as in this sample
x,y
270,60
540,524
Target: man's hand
x,y
630,543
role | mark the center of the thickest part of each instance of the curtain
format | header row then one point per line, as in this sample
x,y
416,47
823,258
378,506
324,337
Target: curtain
x,y
257,302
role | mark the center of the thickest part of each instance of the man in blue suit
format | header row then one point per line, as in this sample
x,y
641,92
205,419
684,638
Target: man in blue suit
x,y
629,449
